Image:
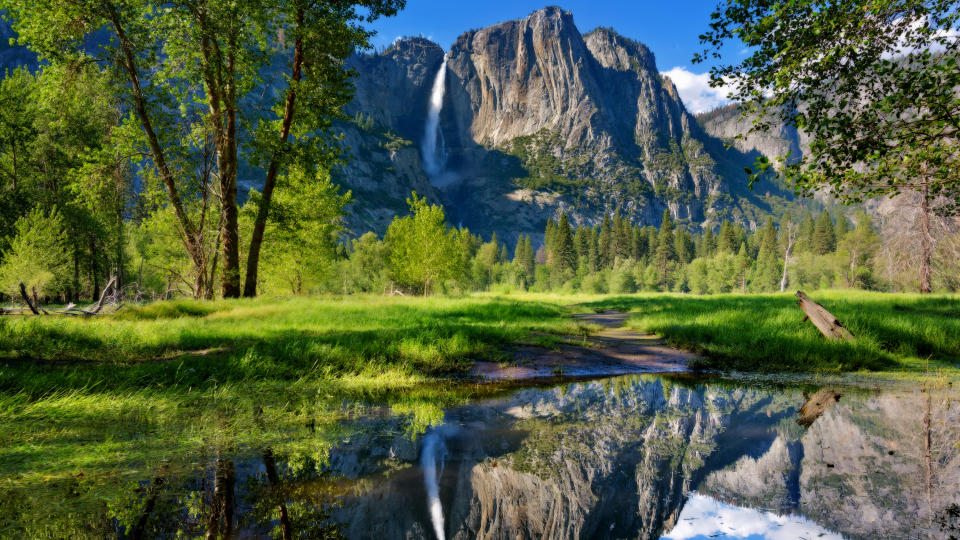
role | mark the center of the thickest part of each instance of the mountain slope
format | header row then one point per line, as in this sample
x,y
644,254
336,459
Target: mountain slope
x,y
539,119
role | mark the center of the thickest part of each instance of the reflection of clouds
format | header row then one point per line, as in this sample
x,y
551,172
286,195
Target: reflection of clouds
x,y
704,517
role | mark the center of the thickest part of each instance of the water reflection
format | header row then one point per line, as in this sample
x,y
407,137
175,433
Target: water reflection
x,y
631,457
705,517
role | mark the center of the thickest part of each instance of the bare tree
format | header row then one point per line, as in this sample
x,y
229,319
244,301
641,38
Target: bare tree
x,y
789,229
918,242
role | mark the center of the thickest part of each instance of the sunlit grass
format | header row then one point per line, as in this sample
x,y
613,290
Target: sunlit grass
x,y
179,378
895,333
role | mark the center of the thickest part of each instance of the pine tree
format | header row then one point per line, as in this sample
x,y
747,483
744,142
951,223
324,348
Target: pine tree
x,y
707,244
842,228
605,243
549,242
824,238
565,256
523,260
581,244
683,244
639,244
727,239
529,259
743,266
664,253
518,250
805,235
766,274
651,240
621,238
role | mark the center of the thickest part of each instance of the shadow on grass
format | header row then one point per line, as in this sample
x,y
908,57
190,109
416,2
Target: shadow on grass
x,y
398,338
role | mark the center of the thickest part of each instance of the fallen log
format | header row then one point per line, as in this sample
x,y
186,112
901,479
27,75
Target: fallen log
x,y
816,405
829,326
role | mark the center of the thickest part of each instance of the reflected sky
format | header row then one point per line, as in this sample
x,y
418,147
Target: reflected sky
x,y
705,518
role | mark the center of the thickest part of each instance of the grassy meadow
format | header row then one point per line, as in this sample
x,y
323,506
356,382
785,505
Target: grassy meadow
x,y
369,343
111,395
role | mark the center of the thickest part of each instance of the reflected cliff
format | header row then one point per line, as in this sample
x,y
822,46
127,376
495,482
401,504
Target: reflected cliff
x,y
630,457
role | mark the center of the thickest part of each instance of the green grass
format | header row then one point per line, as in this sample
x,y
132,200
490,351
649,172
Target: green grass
x,y
88,405
195,372
896,334
199,344
201,372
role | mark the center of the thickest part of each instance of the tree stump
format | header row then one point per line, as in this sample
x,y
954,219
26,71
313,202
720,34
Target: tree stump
x,y
828,325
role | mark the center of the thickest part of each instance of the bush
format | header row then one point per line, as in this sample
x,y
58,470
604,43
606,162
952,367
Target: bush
x,y
595,283
622,282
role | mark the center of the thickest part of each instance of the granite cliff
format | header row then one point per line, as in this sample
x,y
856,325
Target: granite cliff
x,y
539,119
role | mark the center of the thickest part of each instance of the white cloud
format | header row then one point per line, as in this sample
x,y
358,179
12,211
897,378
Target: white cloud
x,y
696,92
937,40
706,517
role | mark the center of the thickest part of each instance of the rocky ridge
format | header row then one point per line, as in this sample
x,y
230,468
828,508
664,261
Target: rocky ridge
x,y
540,119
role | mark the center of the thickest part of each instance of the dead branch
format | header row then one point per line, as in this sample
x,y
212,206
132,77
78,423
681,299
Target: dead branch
x,y
103,295
71,308
26,298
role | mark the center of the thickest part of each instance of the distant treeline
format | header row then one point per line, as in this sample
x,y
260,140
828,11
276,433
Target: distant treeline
x,y
819,250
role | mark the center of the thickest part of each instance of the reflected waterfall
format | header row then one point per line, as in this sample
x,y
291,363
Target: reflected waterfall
x,y
431,461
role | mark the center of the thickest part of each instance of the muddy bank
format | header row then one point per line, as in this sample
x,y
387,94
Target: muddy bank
x,y
612,351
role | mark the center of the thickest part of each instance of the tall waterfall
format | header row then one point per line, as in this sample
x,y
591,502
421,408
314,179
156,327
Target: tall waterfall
x,y
431,461
434,147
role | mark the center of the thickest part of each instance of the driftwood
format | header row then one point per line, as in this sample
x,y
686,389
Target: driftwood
x,y
828,325
69,309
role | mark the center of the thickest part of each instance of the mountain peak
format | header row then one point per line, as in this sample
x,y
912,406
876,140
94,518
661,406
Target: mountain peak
x,y
538,120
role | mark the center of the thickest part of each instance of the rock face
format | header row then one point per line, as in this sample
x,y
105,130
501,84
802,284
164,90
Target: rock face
x,y
621,459
540,119
726,123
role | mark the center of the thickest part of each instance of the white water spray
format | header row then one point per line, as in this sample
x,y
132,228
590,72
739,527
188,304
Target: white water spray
x,y
431,461
434,147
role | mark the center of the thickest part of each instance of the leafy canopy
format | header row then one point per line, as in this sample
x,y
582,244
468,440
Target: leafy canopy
x,y
872,82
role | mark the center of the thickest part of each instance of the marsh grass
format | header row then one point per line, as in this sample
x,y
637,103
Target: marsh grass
x,y
895,333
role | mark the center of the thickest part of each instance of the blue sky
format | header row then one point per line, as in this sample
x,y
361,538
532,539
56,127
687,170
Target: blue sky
x,y
669,28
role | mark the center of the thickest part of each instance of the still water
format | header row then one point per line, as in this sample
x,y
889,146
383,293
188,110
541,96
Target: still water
x,y
675,457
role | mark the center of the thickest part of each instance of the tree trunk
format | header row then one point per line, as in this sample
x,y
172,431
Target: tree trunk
x,y
94,277
128,64
263,211
76,274
227,165
852,276
784,280
220,523
271,466
153,492
926,240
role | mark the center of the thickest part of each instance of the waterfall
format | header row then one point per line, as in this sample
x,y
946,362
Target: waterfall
x,y
434,147
431,461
